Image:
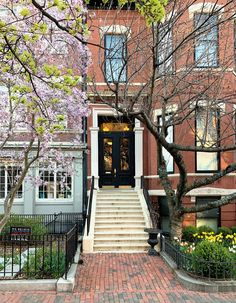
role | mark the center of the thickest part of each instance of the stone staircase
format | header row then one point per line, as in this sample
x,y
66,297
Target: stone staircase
x,y
119,222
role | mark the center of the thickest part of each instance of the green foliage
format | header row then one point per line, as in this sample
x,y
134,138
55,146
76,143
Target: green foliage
x,y
233,228
205,229
152,10
34,223
212,259
45,263
224,231
188,233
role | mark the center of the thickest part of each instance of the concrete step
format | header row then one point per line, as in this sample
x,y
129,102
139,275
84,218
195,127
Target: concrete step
x,y
123,207
120,240
118,201
120,222
117,197
112,218
117,220
130,228
120,234
134,246
118,212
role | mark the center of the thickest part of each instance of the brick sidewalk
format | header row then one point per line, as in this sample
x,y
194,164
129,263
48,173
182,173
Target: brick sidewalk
x,y
121,278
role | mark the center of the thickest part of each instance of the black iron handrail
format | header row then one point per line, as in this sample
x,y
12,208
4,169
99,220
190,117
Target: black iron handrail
x,y
90,205
153,213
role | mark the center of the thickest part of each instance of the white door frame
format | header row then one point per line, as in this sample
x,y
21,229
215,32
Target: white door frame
x,y
138,150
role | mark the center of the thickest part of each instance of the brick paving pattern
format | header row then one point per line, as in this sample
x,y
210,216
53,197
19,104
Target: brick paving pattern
x,y
121,278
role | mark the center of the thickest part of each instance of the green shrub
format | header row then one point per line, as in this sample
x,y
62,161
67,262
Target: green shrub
x,y
212,259
34,223
205,229
233,228
47,263
224,231
188,233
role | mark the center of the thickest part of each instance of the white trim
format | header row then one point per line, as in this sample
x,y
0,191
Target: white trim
x,y
205,7
138,130
115,29
208,103
172,108
206,191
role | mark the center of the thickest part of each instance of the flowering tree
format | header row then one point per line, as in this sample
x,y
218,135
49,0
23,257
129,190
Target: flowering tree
x,y
43,61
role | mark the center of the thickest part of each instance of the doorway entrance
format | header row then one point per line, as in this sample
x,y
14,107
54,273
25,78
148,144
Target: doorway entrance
x,y
116,152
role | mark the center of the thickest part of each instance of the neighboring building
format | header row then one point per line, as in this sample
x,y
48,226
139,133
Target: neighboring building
x,y
122,150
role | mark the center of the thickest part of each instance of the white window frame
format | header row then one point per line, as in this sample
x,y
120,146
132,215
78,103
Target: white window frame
x,y
54,198
6,165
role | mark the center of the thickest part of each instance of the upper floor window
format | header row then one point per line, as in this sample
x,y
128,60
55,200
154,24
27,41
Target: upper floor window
x,y
115,58
207,130
8,178
164,50
206,42
56,184
170,139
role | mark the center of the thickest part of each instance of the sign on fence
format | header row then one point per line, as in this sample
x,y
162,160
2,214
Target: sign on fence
x,y
21,232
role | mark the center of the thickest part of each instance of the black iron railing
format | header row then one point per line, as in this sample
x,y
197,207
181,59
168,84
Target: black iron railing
x,y
71,247
89,210
37,257
153,213
57,223
206,269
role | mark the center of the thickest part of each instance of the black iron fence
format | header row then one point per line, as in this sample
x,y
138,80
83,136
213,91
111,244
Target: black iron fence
x,y
206,269
37,257
57,223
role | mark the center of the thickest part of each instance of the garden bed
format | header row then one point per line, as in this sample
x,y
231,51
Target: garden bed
x,y
207,255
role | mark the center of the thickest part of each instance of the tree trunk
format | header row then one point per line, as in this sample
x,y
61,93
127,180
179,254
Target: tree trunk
x,y
176,222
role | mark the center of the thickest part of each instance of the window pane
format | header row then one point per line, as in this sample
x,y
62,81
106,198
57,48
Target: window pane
x,y
13,174
206,136
124,154
208,217
206,44
107,145
2,182
164,49
115,70
167,156
64,185
46,190
115,55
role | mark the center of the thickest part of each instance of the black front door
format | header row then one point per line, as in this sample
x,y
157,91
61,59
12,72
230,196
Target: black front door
x,y
116,158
